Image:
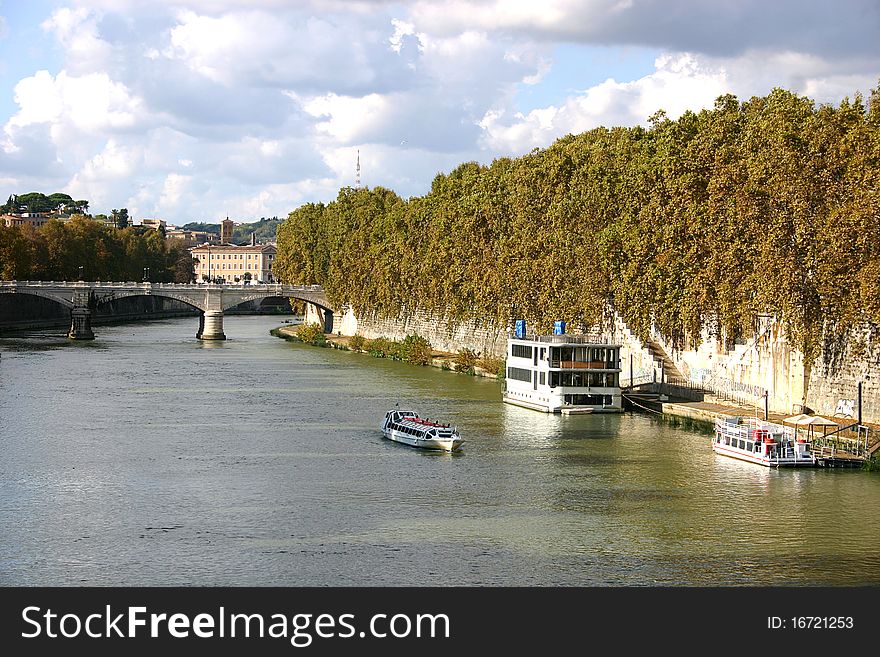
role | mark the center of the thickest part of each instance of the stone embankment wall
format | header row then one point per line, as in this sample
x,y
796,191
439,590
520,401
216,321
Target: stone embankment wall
x,y
768,364
765,364
483,337
478,336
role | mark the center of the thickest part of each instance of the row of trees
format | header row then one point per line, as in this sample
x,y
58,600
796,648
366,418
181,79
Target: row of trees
x,y
38,202
58,250
768,205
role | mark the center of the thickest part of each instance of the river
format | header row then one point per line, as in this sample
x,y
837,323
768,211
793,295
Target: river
x,y
148,458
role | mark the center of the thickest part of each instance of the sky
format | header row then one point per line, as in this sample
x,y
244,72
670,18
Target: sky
x,y
195,110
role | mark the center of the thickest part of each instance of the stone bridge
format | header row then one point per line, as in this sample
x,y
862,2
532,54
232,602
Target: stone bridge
x,y
211,300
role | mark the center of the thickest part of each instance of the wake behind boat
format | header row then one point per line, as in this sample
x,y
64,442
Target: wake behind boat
x,y
408,428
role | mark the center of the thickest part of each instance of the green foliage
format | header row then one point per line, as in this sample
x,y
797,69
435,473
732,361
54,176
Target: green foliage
x,y
356,342
57,250
416,350
380,348
312,334
265,229
696,224
202,227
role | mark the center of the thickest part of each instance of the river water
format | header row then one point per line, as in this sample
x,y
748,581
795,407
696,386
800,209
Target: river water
x,y
150,458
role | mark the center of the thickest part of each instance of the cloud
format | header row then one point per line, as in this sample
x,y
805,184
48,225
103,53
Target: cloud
x,y
678,84
724,28
90,103
187,109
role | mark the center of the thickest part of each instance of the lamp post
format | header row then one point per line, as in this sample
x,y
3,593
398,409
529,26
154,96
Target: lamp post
x,y
81,274
146,274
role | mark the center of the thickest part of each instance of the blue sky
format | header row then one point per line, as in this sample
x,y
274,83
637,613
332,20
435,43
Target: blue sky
x,y
192,110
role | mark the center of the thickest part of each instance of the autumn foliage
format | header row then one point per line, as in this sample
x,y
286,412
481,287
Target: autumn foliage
x,y
771,205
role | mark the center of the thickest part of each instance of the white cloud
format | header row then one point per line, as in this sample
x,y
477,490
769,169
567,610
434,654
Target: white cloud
x,y
203,108
91,103
679,83
77,33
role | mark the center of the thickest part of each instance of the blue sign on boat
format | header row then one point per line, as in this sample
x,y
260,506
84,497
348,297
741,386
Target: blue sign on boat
x,y
520,328
559,327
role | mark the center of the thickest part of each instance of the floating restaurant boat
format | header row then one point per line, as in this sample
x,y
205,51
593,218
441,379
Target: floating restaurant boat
x,y
408,428
764,443
562,373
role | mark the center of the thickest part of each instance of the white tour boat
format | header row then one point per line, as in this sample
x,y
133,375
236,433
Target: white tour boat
x,y
408,428
764,443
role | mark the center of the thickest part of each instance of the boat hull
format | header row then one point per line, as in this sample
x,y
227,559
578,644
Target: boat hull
x,y
765,461
443,444
760,442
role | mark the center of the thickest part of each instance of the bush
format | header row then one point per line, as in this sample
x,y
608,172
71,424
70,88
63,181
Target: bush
x,y
378,347
312,334
356,342
465,361
492,365
416,350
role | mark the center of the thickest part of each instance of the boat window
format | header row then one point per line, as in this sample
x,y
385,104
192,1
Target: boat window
x,y
519,374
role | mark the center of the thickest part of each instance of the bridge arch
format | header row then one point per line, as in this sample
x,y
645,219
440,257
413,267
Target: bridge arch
x,y
191,300
45,294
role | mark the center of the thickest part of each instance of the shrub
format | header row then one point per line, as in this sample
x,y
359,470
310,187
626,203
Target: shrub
x,y
416,350
465,361
312,334
356,342
492,365
378,347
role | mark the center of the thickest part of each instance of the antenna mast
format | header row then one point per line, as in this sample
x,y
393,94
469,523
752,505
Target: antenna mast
x,y
357,179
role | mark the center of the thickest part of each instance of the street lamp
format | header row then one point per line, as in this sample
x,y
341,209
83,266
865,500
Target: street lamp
x,y
81,274
146,274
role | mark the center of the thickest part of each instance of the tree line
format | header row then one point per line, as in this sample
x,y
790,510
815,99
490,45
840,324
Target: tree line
x,y
39,202
83,247
770,205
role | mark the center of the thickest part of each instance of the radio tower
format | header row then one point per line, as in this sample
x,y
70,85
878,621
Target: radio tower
x,y
357,177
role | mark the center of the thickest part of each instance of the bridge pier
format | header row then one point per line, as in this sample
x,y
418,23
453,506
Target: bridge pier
x,y
80,324
211,325
81,315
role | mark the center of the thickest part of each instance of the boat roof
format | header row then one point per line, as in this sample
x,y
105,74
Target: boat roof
x,y
566,340
412,419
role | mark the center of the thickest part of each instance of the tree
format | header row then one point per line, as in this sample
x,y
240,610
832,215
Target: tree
x,y
120,217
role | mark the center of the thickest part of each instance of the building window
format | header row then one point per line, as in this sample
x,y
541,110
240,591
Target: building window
x,y
520,351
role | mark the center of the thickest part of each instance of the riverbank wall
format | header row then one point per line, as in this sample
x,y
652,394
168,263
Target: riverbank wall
x,y
440,359
762,372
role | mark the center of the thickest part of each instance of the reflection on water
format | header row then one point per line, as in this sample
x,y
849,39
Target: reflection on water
x,y
148,457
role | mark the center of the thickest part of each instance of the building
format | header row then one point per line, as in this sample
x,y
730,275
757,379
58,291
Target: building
x,y
35,219
155,224
190,237
234,264
227,227
563,374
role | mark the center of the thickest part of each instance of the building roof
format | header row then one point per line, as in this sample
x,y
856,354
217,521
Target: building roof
x,y
248,248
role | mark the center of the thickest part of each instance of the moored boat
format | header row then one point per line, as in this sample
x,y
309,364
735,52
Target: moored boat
x,y
764,443
408,428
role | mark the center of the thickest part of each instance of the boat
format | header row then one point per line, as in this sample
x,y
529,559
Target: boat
x,y
408,428
562,373
757,441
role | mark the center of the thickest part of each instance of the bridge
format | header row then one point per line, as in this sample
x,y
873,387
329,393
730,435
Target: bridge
x,y
82,297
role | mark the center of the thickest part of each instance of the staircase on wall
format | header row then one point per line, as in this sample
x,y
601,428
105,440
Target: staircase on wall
x,y
662,360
